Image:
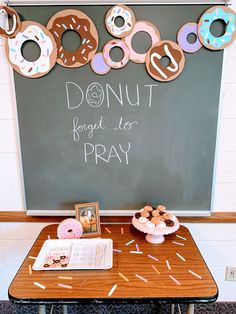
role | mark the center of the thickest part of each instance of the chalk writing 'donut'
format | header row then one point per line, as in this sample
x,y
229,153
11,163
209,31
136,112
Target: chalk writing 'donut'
x,y
96,95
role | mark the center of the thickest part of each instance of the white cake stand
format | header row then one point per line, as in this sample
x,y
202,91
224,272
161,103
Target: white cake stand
x,y
155,235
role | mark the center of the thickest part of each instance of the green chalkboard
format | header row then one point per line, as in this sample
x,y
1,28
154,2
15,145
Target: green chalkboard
x,y
138,141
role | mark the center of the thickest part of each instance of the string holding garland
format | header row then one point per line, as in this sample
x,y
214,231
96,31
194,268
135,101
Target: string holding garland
x,y
49,41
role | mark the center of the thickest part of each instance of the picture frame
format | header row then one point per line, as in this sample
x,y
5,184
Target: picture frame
x,y
88,216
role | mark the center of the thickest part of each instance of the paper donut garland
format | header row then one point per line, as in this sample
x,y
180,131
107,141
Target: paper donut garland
x,y
141,26
8,33
182,38
99,65
49,40
153,62
124,13
74,20
224,14
106,54
32,31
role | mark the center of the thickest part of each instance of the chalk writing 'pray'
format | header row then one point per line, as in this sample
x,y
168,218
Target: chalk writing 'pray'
x,y
99,152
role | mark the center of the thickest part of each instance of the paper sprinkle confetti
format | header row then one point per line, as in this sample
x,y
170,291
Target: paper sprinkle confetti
x,y
108,230
178,243
39,285
137,247
181,257
168,264
124,277
142,278
194,274
65,277
136,252
115,250
128,243
49,238
178,236
64,286
32,257
122,230
112,290
30,269
154,258
157,271
175,280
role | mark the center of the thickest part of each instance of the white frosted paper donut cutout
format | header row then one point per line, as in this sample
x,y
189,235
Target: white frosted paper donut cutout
x,y
32,31
128,16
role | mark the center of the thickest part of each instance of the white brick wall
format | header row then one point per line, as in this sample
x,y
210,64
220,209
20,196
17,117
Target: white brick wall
x,y
224,198
11,196
216,242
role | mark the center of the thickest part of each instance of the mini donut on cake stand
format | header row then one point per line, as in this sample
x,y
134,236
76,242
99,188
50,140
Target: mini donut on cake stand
x,y
155,222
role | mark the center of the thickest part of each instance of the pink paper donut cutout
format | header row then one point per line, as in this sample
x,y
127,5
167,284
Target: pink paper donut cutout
x,y
106,54
69,229
142,26
99,65
126,14
184,31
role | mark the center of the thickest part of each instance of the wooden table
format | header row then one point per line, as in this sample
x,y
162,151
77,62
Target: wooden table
x,y
175,272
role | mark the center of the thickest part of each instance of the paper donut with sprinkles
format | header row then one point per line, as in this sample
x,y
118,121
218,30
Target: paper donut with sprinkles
x,y
49,40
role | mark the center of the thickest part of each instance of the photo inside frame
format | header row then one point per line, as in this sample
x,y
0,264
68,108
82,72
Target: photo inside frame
x,y
88,215
88,219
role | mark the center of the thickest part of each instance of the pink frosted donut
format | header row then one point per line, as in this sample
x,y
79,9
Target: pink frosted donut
x,y
69,229
106,53
141,26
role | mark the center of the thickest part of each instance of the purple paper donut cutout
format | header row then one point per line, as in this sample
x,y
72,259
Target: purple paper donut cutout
x,y
99,65
185,30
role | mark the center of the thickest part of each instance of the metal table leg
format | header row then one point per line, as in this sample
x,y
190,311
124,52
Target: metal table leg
x,y
42,309
190,309
172,308
64,309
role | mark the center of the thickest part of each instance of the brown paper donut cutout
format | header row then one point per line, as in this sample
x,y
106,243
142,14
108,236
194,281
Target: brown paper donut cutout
x,y
9,33
165,48
128,16
79,22
32,31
